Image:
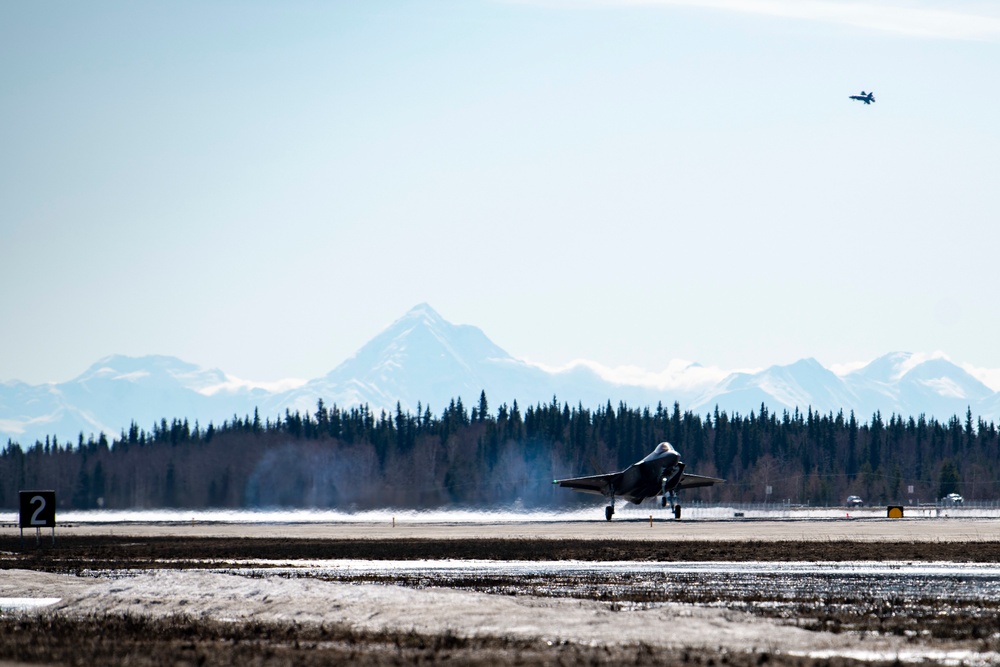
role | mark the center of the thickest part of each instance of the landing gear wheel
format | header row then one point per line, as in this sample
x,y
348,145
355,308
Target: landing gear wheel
x,y
609,512
677,512
663,501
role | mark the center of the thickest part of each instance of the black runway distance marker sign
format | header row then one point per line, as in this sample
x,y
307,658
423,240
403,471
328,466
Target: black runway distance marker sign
x,y
38,509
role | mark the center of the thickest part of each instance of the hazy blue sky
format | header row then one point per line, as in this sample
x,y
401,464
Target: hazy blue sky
x,y
263,187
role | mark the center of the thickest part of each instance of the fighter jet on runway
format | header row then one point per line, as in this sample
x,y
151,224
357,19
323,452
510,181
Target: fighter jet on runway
x,y
867,98
659,474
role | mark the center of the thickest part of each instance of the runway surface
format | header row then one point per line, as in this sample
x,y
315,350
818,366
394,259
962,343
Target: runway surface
x,y
638,528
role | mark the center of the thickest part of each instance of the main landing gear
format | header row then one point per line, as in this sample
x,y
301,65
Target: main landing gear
x,y
670,497
609,511
675,507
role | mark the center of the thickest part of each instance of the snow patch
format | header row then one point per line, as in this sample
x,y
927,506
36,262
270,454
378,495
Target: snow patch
x,y
22,604
944,387
134,376
785,392
270,597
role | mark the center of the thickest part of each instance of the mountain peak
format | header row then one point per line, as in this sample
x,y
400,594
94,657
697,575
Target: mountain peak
x,y
893,367
423,311
119,364
808,363
420,339
884,369
421,308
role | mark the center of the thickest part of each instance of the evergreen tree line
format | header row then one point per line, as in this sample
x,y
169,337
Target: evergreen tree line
x,y
353,458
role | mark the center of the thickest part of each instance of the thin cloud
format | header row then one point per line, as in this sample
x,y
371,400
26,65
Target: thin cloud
x,y
840,370
937,20
235,384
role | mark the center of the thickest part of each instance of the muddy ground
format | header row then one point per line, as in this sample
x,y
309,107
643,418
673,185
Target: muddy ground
x,y
111,551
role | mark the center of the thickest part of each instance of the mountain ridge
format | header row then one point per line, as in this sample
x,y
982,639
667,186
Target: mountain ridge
x,y
422,359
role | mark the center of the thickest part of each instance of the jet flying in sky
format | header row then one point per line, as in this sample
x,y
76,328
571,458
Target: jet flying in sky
x,y
867,98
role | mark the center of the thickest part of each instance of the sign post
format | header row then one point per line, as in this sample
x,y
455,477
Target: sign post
x,y
38,510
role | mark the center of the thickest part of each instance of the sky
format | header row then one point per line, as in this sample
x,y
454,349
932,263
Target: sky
x,y
263,187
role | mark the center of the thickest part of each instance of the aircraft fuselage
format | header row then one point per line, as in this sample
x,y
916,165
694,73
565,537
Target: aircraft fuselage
x,y
645,478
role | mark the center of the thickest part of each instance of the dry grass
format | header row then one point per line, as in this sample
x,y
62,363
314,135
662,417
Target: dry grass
x,y
138,641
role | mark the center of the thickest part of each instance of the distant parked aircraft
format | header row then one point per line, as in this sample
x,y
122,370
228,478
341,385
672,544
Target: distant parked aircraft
x,y
661,473
863,97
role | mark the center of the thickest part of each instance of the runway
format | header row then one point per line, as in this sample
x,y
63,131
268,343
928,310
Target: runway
x,y
853,529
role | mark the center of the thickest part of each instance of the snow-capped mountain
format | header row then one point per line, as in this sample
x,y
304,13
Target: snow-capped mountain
x,y
111,394
899,382
422,358
804,383
910,384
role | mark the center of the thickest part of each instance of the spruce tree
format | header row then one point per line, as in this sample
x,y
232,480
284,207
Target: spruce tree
x,y
948,479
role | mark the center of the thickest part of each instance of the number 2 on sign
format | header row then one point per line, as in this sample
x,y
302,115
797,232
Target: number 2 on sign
x,y
35,521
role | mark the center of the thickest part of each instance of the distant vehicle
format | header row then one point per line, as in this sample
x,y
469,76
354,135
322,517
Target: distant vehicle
x,y
661,473
867,98
854,501
953,499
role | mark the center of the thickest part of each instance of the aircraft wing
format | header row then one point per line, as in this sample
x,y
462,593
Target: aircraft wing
x,y
693,481
599,484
